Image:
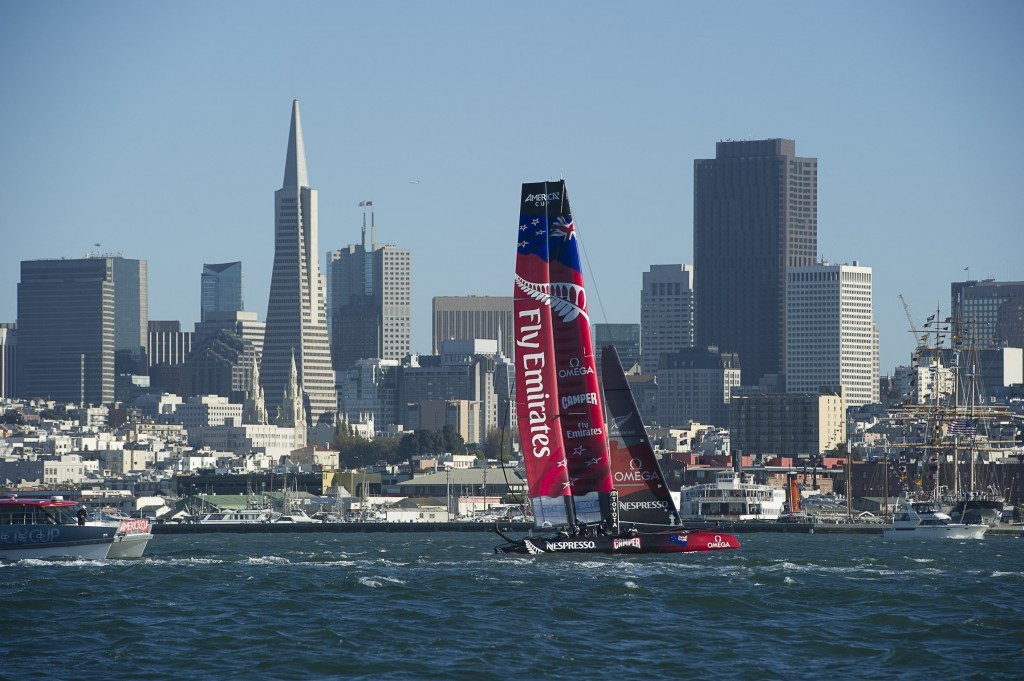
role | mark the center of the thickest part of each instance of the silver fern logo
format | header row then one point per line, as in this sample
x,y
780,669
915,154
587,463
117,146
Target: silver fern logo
x,y
568,300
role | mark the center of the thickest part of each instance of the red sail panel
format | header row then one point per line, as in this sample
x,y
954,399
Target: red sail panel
x,y
581,414
643,493
536,378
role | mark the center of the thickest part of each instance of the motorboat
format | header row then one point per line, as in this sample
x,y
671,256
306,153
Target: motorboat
x,y
924,520
237,517
296,516
57,527
131,534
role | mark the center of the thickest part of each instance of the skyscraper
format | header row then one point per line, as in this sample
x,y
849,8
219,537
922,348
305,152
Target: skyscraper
x,y
666,313
830,332
169,347
370,301
755,213
8,359
464,317
296,323
694,385
74,318
131,318
221,289
991,311
625,338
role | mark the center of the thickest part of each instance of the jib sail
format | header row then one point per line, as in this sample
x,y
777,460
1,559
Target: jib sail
x,y
643,494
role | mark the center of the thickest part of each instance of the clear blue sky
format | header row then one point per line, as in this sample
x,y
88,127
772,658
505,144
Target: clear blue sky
x,y
159,130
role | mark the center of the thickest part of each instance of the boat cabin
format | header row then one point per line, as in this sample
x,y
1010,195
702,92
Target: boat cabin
x,y
52,511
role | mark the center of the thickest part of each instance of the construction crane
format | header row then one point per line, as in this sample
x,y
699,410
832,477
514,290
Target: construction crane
x,y
919,339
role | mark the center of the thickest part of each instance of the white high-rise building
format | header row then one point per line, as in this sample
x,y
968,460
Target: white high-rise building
x,y
296,321
831,340
666,313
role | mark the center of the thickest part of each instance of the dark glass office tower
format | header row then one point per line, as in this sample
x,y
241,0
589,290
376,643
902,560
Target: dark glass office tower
x,y
755,213
221,288
80,323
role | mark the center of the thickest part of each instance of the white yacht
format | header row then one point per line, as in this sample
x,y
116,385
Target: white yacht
x,y
733,497
923,520
236,517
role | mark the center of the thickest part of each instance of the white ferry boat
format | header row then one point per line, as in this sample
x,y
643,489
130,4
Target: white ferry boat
x,y
733,497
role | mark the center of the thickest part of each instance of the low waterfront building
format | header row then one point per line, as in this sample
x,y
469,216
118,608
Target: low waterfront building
x,y
418,511
464,481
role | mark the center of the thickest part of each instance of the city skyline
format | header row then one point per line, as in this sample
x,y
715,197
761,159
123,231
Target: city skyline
x,y
910,111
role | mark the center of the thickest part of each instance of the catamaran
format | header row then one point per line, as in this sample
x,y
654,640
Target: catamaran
x,y
594,487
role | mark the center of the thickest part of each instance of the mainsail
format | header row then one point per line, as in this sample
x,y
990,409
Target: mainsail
x,y
537,407
581,414
644,499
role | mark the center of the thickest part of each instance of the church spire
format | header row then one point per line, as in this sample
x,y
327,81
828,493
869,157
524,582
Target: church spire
x,y
295,162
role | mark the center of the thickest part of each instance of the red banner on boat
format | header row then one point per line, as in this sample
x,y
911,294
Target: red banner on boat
x,y
536,380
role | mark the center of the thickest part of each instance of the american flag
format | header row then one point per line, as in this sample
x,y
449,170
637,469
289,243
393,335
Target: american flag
x,y
965,427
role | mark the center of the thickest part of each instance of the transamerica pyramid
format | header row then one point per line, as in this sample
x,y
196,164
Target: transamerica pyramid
x,y
296,316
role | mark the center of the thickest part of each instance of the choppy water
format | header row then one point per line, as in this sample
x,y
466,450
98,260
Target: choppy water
x,y
442,606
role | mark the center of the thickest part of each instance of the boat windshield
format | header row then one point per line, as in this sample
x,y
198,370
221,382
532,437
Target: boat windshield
x,y
37,515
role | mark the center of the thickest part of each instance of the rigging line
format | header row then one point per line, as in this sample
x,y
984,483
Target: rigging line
x,y
591,279
505,420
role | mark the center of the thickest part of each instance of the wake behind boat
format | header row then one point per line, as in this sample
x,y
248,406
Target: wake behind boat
x,y
594,487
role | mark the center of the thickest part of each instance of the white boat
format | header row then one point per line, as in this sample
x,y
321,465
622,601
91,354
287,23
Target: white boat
x,y
50,527
824,503
733,497
923,520
296,516
131,535
237,517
